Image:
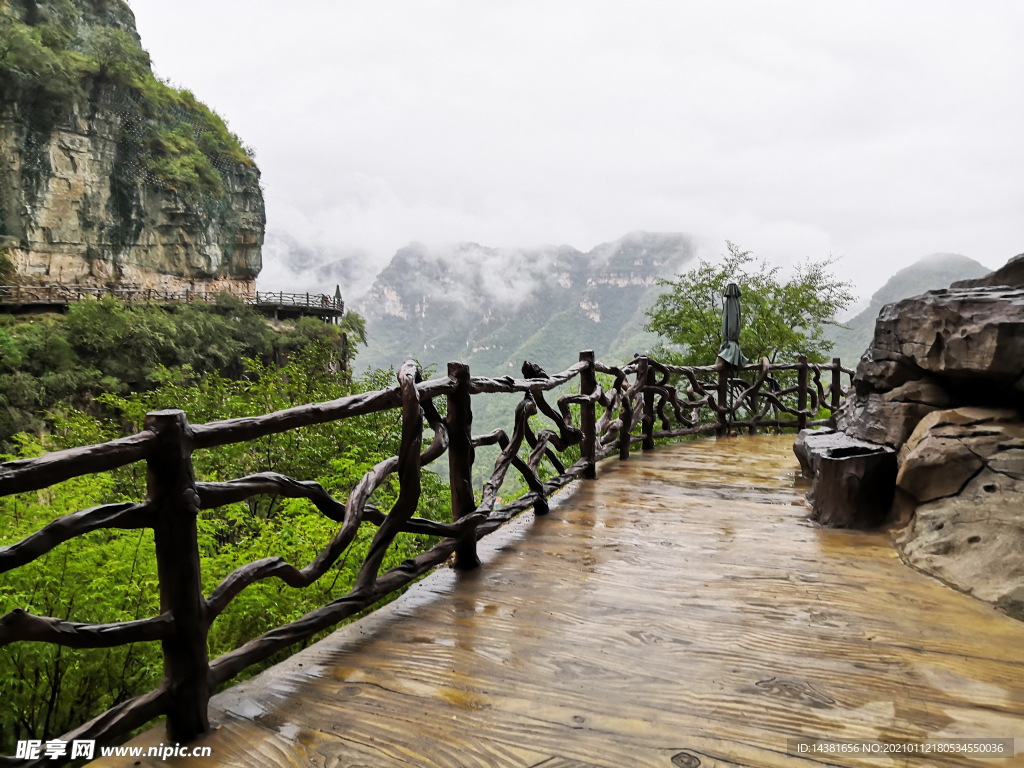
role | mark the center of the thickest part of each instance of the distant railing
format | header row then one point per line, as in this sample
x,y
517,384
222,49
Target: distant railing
x,y
632,399
65,294
312,300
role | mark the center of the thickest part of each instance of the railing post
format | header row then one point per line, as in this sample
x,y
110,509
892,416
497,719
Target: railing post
x,y
626,417
801,392
171,490
588,415
723,401
837,390
460,461
648,422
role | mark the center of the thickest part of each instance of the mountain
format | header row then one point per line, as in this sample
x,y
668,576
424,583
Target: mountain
x,y
492,308
927,274
109,176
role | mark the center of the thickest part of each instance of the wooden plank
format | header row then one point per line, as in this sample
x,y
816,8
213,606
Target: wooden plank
x,y
681,607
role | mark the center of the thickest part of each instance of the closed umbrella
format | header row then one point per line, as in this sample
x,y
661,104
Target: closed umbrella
x,y
730,351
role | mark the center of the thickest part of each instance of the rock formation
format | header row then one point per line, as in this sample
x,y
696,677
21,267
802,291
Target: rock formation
x,y
941,390
116,179
854,480
963,471
1011,273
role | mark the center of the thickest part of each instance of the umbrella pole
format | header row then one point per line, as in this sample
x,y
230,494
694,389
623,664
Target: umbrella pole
x,y
723,398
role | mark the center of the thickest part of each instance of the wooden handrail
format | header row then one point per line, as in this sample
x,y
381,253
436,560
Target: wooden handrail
x,y
704,400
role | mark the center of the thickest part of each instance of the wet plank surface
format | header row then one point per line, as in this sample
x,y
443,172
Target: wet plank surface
x,y
679,607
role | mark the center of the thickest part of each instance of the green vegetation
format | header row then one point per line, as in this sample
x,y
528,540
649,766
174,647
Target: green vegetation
x,y
60,56
51,363
108,576
7,269
781,319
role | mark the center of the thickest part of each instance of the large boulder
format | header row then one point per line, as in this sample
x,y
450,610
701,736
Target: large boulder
x,y
965,470
948,448
888,415
873,418
935,351
967,334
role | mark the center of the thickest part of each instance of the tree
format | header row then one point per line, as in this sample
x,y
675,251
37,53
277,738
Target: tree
x,y
118,57
781,319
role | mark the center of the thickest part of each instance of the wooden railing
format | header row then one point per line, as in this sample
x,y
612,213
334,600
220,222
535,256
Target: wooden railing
x,y
65,294
632,398
311,300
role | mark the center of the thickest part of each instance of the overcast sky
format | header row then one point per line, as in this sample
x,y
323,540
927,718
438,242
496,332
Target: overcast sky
x,y
875,131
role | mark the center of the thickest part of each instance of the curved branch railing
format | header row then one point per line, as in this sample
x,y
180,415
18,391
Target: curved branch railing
x,y
710,401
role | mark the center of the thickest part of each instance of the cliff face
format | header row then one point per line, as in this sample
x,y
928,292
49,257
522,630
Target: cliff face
x,y
125,181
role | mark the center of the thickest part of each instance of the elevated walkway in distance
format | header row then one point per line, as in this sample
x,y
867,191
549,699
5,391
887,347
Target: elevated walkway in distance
x,y
681,609
37,299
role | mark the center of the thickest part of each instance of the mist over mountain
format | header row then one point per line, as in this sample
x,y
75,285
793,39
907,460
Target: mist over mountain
x,y
495,307
929,273
292,266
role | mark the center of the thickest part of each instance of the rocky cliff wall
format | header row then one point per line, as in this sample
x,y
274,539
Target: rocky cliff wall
x,y
81,203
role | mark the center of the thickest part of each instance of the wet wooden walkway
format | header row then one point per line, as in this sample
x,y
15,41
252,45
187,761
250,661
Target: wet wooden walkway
x,y
680,607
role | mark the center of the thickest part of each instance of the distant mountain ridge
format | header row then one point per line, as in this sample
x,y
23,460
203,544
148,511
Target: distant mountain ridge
x,y
927,274
492,308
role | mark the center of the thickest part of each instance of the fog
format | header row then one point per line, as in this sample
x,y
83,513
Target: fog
x,y
877,132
